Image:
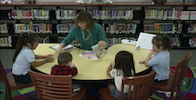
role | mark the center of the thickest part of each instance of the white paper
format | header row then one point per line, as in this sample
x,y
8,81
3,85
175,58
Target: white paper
x,y
145,40
65,48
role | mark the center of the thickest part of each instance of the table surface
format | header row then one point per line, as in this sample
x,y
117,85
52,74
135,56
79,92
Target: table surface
x,y
90,69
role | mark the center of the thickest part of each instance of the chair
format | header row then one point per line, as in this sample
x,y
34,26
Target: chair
x,y
175,79
55,87
142,88
10,84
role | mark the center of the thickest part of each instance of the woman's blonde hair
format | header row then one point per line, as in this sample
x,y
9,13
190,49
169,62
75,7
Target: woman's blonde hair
x,y
85,16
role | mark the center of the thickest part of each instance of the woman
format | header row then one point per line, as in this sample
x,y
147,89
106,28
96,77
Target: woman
x,y
86,32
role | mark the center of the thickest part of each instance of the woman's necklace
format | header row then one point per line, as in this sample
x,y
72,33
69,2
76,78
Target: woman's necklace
x,y
83,35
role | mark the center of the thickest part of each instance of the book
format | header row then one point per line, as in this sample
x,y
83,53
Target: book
x,y
192,15
55,47
185,15
145,41
97,50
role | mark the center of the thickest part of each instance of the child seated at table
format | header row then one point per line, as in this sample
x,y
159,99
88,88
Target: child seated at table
x,y
160,62
66,67
24,58
122,67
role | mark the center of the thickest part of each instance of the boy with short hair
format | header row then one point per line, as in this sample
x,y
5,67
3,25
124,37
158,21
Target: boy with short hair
x,y
66,67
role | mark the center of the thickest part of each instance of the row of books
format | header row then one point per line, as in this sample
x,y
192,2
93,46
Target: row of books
x,y
64,28
192,29
175,41
6,41
120,28
33,28
113,41
40,14
63,14
3,28
126,14
169,14
192,42
163,28
111,28
188,15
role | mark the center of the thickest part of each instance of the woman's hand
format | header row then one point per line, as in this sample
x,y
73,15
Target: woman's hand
x,y
102,44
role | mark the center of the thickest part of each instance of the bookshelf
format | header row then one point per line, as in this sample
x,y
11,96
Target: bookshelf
x,y
138,19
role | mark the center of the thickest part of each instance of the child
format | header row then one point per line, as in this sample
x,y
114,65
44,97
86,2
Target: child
x,y
66,67
161,60
123,67
24,58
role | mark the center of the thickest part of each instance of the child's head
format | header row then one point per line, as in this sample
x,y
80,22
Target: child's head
x,y
161,43
84,20
30,40
65,58
124,60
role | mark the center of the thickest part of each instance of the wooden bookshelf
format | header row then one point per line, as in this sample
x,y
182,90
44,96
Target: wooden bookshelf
x,y
138,16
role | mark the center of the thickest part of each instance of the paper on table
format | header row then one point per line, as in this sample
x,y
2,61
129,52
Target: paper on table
x,y
145,40
91,57
65,48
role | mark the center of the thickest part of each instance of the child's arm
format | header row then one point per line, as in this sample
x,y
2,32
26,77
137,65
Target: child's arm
x,y
36,64
110,68
73,69
42,56
147,58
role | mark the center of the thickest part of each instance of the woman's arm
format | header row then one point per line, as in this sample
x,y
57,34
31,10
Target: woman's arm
x,y
102,38
110,68
66,41
58,51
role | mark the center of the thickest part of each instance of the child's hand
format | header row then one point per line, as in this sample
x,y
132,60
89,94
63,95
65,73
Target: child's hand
x,y
152,52
112,64
142,62
72,65
50,59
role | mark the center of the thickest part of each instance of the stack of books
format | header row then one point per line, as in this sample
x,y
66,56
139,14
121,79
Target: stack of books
x,y
39,14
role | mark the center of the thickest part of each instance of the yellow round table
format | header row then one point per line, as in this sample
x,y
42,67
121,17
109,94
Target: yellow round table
x,y
90,69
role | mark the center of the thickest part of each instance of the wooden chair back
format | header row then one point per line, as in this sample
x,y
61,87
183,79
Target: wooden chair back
x,y
3,78
52,87
142,86
181,70
10,84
